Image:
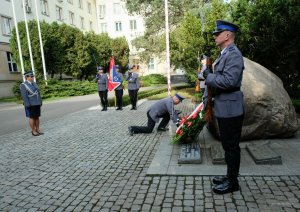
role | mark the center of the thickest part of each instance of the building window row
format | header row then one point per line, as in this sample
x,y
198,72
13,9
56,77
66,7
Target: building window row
x,y
45,7
117,10
118,26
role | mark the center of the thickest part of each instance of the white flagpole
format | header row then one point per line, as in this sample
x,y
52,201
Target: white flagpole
x,y
167,47
41,42
18,39
28,38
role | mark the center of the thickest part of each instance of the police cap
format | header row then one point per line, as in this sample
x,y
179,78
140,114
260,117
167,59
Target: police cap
x,y
225,26
179,97
29,74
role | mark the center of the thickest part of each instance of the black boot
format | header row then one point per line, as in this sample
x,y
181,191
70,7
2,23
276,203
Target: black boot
x,y
228,186
217,180
103,108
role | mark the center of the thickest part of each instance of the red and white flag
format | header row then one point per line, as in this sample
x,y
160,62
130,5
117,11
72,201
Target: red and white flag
x,y
113,78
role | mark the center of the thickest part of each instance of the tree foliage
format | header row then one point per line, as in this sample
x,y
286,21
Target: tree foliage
x,y
269,33
68,50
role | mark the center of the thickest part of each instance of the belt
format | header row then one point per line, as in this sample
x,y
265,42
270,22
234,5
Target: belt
x,y
219,90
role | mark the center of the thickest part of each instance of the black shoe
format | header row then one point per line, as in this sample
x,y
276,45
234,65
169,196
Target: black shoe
x,y
226,187
132,108
40,133
135,108
130,131
35,134
217,180
121,108
103,109
162,129
118,108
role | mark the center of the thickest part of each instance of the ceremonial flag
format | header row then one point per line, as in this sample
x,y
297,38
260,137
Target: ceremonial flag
x,y
113,78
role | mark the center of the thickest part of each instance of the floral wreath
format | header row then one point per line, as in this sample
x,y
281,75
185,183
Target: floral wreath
x,y
190,125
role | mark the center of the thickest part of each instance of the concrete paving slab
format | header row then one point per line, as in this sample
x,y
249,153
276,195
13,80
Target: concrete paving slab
x,y
288,149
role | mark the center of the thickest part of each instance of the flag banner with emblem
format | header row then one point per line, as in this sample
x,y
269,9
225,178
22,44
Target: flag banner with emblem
x,y
113,79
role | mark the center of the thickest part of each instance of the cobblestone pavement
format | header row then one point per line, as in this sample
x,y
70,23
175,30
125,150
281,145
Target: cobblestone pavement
x,y
86,161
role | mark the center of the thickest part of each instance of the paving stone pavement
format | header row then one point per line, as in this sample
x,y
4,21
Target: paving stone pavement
x,y
86,161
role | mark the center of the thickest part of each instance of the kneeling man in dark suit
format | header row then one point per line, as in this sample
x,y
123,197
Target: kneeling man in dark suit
x,y
164,109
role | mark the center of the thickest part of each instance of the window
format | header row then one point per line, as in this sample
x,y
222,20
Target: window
x,y
133,25
118,8
80,4
28,3
12,66
72,18
151,64
119,26
81,22
6,25
70,1
103,27
44,7
91,26
89,8
59,13
101,11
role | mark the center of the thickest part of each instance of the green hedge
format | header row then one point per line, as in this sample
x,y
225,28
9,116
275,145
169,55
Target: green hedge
x,y
56,88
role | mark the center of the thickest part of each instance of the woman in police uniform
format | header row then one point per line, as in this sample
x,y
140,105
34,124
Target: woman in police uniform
x,y
32,102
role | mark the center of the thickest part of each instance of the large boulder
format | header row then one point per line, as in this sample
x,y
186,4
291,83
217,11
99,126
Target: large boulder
x,y
269,112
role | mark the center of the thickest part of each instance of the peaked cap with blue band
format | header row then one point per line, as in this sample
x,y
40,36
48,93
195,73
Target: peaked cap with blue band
x,y
179,97
225,26
28,73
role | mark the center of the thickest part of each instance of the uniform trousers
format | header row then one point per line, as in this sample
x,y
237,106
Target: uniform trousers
x,y
119,97
133,97
103,98
151,124
230,135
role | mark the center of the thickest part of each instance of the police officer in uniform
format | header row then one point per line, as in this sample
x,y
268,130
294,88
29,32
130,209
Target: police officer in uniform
x,y
164,109
133,85
228,102
119,90
32,102
102,81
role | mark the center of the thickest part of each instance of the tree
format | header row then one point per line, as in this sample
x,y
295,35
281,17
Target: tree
x,y
270,32
120,51
80,56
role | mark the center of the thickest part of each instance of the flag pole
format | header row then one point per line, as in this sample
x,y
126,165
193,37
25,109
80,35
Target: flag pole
x,y
28,38
18,39
167,47
41,42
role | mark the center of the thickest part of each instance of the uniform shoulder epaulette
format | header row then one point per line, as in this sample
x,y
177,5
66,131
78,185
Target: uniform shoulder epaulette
x,y
231,48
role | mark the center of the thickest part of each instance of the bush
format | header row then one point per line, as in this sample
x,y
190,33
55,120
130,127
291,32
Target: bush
x,y
153,79
56,88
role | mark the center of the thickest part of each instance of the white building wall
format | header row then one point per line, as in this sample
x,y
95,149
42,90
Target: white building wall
x,y
7,76
115,12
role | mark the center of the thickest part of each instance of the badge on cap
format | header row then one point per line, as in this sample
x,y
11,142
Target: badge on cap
x,y
100,68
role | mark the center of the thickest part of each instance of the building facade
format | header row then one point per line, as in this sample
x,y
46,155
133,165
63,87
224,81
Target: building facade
x,y
78,13
100,16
